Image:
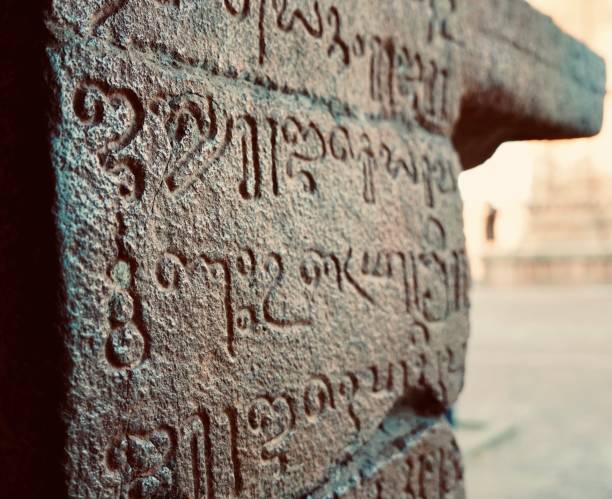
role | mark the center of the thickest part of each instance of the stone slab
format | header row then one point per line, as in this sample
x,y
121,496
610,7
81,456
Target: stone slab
x,y
260,252
247,276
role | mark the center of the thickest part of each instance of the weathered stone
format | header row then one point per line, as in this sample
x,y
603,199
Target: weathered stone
x,y
420,459
261,244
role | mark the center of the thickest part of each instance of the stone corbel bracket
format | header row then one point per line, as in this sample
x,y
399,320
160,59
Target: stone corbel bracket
x,y
523,79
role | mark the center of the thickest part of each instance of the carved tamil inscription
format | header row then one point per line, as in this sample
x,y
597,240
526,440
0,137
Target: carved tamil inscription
x,y
278,259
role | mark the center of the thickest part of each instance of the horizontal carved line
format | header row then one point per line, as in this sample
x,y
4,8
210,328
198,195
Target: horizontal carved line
x,y
335,106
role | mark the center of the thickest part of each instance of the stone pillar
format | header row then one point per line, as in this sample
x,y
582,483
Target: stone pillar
x,y
234,260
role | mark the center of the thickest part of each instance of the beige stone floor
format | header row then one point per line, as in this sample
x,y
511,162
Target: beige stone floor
x,y
539,373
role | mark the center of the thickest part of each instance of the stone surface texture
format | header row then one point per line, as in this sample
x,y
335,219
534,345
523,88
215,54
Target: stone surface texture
x,y
265,287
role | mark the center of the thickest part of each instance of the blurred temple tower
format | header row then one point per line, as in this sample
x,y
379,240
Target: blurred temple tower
x,y
568,230
541,213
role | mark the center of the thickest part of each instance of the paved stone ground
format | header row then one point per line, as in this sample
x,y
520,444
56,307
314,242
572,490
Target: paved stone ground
x,y
540,370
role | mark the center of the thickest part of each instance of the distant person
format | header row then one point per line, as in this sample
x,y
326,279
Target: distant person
x,y
490,222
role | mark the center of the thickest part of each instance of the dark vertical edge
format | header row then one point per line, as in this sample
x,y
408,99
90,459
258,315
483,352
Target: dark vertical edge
x,y
32,358
232,416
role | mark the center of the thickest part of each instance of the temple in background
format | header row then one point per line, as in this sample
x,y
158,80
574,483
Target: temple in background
x,y
568,230
541,213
